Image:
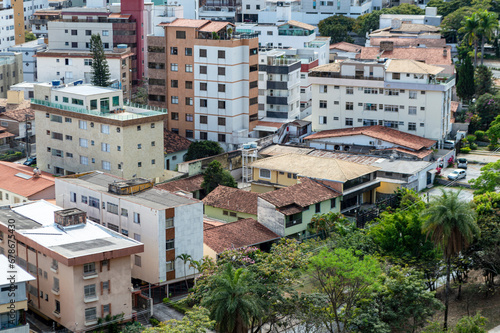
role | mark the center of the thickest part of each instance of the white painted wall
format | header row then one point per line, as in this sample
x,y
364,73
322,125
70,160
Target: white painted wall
x,y
7,34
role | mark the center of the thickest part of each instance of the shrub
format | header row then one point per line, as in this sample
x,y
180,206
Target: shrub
x,y
480,135
492,146
154,321
473,146
465,150
166,300
471,138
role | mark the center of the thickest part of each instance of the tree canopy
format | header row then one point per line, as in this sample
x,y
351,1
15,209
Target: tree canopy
x,y
100,68
215,175
337,27
202,149
489,179
195,321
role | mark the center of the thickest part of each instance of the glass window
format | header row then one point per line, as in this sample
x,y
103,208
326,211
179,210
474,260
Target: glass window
x,y
116,100
105,129
90,314
265,173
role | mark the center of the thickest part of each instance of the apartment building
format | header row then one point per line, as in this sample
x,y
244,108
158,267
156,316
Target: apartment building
x,y
168,224
82,269
24,12
39,22
11,71
207,77
83,128
29,50
13,295
407,95
7,37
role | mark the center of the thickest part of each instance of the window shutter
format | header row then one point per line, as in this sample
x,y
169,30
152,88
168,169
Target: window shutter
x,y
100,266
109,264
102,310
101,289
109,286
110,309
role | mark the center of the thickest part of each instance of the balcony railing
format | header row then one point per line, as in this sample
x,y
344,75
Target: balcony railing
x,y
293,223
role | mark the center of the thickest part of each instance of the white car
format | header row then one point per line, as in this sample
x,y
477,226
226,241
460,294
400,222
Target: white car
x,y
457,174
449,144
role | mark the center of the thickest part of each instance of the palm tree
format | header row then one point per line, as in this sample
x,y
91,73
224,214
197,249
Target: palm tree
x,y
185,259
450,223
234,301
470,29
488,23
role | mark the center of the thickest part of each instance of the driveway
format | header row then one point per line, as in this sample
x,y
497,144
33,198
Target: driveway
x,y
465,194
473,171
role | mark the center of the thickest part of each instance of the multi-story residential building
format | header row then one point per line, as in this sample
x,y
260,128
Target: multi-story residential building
x,y
230,204
407,34
176,148
82,269
168,224
355,182
207,77
17,117
13,294
24,11
11,71
7,39
407,95
217,10
29,50
39,22
430,18
279,86
82,128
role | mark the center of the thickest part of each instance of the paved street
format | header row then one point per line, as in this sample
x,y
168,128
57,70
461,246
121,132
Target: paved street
x,y
473,171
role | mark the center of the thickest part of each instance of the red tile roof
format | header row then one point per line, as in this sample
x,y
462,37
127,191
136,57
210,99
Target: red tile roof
x,y
347,47
215,26
189,184
234,199
187,23
19,114
6,135
270,124
21,186
428,42
419,154
428,55
174,142
407,140
292,199
246,232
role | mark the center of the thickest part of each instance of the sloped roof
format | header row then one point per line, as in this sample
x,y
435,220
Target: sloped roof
x,y
290,200
415,27
428,42
189,184
187,23
408,140
299,25
173,142
347,47
234,199
331,67
315,167
215,26
19,114
236,235
20,185
429,55
412,66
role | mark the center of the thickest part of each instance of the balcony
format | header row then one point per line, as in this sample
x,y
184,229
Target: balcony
x,y
277,100
292,223
90,298
55,290
282,85
89,275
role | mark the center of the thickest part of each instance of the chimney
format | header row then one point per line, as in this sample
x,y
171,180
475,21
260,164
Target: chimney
x,y
70,217
386,46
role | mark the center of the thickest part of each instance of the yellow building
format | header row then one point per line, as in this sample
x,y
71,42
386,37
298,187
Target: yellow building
x,y
231,204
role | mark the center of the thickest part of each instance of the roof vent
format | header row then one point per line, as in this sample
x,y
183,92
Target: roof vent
x,y
70,217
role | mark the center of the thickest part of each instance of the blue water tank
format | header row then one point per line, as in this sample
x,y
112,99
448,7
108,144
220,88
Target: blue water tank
x,y
78,82
56,83
122,46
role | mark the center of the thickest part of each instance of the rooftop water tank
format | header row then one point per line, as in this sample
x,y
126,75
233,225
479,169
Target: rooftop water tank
x,y
122,46
56,83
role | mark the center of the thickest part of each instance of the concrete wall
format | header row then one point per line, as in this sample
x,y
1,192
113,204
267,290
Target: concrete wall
x,y
174,159
230,161
218,213
270,217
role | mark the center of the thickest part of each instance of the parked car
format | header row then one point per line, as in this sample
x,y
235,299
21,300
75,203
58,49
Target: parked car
x,y
448,144
462,163
30,161
457,174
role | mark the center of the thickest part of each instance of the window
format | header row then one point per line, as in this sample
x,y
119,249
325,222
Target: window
x,y
391,108
84,160
265,173
189,134
88,32
322,120
203,103
169,244
87,62
82,124
369,107
203,69
74,32
322,104
170,266
105,32
106,308
55,285
203,136
89,291
174,99
174,67
139,164
74,45
105,129
221,70
189,68
57,136
94,202
174,83
422,108
189,100
221,104
174,116
392,92
221,54
221,137
221,88
189,117
89,269
139,146
137,218
412,126
189,84
318,207
333,203
180,34
188,51
395,76
55,118
413,94
269,33
173,50
323,89
349,106
84,143
221,121
412,110
349,121
91,314
84,199
72,196
203,53
112,208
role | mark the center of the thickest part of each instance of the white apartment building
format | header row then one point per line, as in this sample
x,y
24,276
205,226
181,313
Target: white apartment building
x,y
29,50
30,7
279,86
403,94
168,224
7,34
83,128
67,35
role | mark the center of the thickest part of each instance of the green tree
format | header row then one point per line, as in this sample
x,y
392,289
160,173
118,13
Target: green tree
x,y
486,108
202,149
471,324
185,258
140,95
402,304
234,303
325,223
493,131
195,321
215,175
29,36
483,80
465,84
470,29
489,179
346,280
100,68
337,27
450,224
452,23
488,24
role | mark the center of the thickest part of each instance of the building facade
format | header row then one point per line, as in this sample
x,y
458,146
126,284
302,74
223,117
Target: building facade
x,y
29,50
208,79
83,128
402,94
7,39
11,71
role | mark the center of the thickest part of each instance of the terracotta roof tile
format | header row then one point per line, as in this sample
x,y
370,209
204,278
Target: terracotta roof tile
x,y
23,187
428,42
411,141
18,111
215,26
174,142
411,66
270,124
419,154
187,23
190,184
232,199
299,25
236,235
347,47
428,55
6,135
303,194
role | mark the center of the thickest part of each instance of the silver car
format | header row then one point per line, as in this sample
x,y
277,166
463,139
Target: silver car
x,y
457,174
462,163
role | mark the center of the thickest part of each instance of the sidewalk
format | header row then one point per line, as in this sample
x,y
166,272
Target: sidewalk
x,y
495,330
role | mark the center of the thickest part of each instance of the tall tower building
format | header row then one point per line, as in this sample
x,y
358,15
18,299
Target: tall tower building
x,y
18,7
